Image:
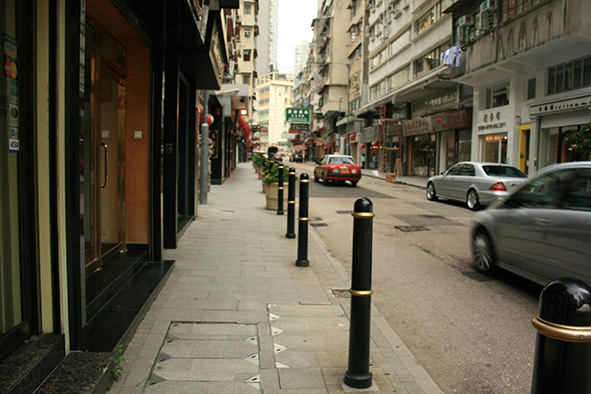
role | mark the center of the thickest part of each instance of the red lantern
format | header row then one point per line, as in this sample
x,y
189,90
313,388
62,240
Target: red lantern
x,y
346,138
352,137
200,109
362,146
375,143
209,119
243,120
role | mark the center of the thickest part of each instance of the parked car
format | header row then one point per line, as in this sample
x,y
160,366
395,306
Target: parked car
x,y
296,157
278,156
542,230
476,184
337,168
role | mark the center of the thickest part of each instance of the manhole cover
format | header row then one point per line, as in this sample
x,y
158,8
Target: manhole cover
x,y
318,224
341,293
410,229
344,212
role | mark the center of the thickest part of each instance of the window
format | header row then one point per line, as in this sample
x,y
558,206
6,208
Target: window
x,y
246,55
455,170
430,60
494,148
247,32
568,76
497,95
531,89
247,8
246,79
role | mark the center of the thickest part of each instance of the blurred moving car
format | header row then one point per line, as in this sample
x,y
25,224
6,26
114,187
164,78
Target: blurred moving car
x,y
296,157
337,168
278,156
476,184
542,231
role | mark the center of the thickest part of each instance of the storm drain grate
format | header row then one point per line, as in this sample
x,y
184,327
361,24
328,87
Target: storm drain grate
x,y
318,224
341,293
432,216
344,212
315,219
410,229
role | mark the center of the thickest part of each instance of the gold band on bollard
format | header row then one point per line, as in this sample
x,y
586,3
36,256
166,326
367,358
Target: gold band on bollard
x,y
304,219
363,215
291,173
291,202
279,188
304,180
360,293
561,332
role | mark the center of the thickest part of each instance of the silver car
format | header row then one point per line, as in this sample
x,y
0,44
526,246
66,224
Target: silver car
x,y
541,231
476,184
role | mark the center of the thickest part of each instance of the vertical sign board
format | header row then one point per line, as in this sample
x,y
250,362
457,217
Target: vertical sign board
x,y
10,62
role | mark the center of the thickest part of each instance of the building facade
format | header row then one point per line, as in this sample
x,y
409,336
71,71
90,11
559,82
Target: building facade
x,y
273,93
101,167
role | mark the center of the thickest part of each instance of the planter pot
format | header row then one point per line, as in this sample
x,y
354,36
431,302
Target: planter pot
x,y
272,195
265,187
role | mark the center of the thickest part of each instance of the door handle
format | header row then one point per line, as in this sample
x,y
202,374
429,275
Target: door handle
x,y
106,167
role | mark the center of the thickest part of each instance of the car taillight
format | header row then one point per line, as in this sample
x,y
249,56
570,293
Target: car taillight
x,y
499,186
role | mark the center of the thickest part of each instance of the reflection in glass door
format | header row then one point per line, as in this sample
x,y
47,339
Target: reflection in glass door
x,y
102,192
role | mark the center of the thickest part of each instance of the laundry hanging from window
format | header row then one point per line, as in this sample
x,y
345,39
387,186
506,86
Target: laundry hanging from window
x,y
452,57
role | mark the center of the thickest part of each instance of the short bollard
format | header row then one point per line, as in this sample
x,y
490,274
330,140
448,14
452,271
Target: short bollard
x,y
303,220
563,346
358,375
280,191
291,204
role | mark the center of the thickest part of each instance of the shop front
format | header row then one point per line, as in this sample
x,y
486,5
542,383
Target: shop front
x,y
556,121
422,147
496,137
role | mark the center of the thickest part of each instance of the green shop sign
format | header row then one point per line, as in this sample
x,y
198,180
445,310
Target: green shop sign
x,y
297,115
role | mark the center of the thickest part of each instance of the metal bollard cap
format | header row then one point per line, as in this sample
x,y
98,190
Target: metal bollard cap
x,y
363,204
304,177
566,301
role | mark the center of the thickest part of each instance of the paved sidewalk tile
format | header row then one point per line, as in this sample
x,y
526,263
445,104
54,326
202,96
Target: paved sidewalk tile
x,y
237,316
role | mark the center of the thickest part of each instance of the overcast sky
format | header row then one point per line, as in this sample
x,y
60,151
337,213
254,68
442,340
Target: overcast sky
x,y
294,26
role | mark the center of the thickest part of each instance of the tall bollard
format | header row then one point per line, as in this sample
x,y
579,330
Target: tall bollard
x,y
358,375
302,260
280,191
291,204
563,346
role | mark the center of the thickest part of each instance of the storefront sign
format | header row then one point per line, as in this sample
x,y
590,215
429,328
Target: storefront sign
x,y
216,53
491,120
459,119
298,115
417,126
13,91
299,127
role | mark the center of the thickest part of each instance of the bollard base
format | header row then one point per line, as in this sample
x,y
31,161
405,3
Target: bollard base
x,y
302,263
358,381
290,235
279,213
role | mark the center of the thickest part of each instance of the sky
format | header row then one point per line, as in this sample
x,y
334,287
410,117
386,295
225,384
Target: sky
x,y
294,26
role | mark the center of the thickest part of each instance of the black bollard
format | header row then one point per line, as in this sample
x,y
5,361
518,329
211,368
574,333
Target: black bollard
x,y
280,191
302,260
291,204
563,346
358,375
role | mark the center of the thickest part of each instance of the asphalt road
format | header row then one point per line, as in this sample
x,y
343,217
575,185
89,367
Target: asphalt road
x,y
472,333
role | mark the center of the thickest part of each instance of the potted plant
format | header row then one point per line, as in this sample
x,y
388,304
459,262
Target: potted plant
x,y
271,183
257,161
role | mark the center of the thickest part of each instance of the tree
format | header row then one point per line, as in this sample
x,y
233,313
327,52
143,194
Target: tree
x,y
581,142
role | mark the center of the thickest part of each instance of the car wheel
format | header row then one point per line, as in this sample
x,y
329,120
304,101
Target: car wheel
x,y
431,194
472,200
484,255
354,183
315,178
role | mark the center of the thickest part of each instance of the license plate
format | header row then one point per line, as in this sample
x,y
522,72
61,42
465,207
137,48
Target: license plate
x,y
344,170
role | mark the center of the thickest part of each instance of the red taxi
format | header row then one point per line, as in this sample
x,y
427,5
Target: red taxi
x,y
337,168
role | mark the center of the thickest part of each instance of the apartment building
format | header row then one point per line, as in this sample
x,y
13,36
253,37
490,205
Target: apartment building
x,y
529,63
273,93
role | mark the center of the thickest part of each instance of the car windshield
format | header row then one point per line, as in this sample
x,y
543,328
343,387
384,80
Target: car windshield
x,y
511,172
341,160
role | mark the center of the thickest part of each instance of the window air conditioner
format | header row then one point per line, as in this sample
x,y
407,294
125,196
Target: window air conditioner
x,y
465,20
488,6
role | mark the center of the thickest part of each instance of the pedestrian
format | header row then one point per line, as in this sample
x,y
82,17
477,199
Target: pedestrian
x,y
363,160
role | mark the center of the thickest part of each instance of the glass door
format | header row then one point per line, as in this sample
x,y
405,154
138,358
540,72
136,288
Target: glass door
x,y
102,149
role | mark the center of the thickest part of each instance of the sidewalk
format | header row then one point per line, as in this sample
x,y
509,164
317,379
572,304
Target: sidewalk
x,y
237,316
